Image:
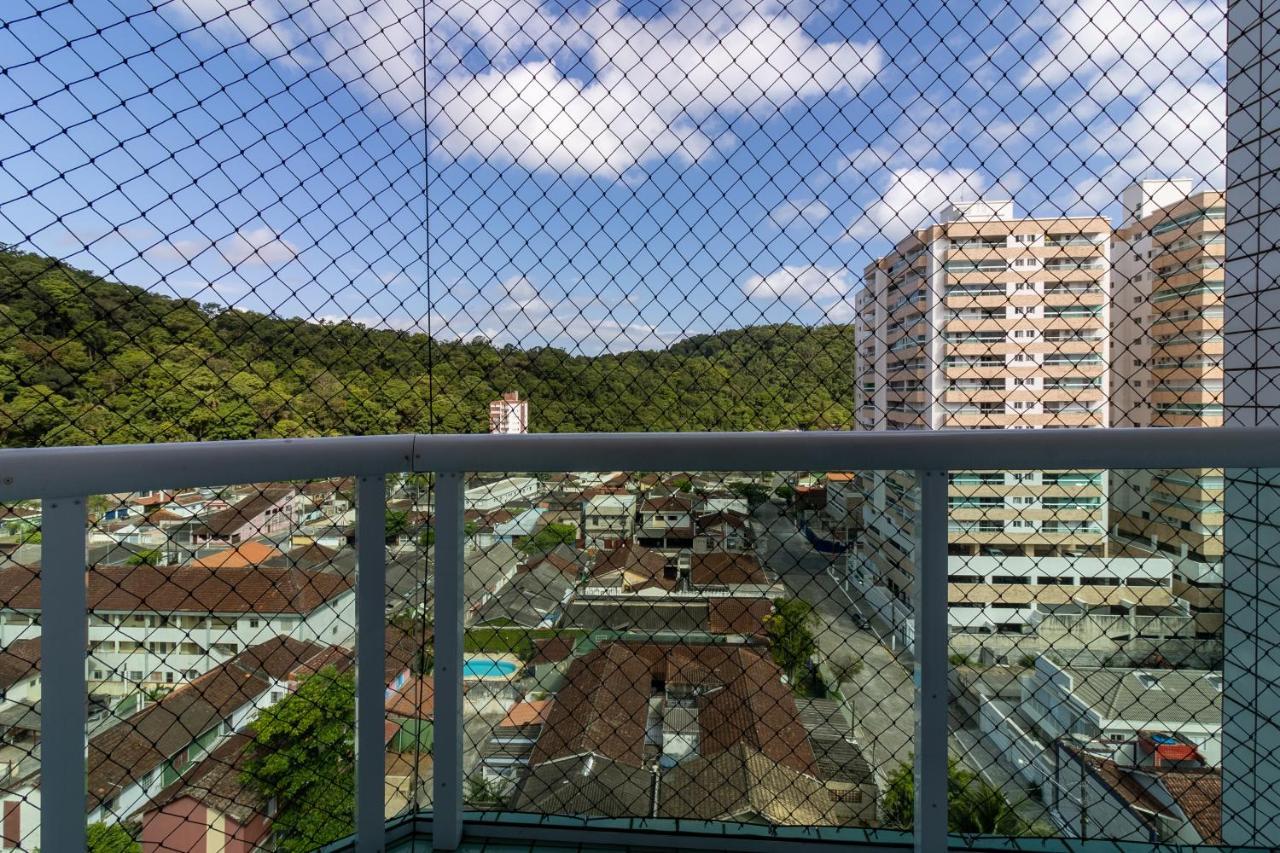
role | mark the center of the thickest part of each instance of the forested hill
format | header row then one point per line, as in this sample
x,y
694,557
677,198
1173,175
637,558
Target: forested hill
x,y
85,361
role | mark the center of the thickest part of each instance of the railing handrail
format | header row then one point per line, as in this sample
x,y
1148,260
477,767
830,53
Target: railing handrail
x,y
30,473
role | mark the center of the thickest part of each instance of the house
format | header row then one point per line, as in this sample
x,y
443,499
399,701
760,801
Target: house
x,y
161,625
505,755
666,523
723,530
630,567
265,510
637,726
500,493
210,808
845,497
530,598
20,672
608,520
727,570
133,761
1117,792
1114,704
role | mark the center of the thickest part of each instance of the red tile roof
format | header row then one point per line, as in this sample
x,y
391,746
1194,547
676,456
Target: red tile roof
x,y
743,616
19,660
724,567
185,589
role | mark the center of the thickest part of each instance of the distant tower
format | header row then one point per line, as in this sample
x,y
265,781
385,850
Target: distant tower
x,y
509,415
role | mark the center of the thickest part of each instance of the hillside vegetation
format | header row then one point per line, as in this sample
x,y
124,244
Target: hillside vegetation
x,y
84,360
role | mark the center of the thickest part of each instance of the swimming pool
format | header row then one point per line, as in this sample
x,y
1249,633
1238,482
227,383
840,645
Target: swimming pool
x,y
479,668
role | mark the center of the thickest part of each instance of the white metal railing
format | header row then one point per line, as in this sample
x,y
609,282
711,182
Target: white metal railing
x,y
63,478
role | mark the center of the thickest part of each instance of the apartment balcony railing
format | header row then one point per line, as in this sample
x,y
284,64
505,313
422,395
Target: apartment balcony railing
x,y
63,478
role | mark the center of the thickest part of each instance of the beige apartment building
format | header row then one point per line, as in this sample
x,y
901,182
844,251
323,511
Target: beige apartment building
x,y
1168,368
987,320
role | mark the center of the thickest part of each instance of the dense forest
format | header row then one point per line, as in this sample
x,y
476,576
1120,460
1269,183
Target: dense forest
x,y
84,360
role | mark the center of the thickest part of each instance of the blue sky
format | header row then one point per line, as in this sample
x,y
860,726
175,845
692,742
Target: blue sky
x,y
599,175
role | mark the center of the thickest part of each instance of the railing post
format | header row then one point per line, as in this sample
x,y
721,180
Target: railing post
x,y
371,617
932,695
64,640
446,824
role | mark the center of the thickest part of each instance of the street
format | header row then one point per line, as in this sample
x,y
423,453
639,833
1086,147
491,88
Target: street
x,y
881,688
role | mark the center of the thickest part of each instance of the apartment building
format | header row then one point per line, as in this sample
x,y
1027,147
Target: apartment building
x,y
987,320
509,415
1168,369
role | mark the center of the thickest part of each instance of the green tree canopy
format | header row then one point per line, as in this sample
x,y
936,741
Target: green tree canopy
x,y
110,838
302,757
549,537
791,641
974,806
88,360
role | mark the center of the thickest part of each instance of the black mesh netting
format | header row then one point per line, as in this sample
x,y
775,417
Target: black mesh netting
x,y
235,219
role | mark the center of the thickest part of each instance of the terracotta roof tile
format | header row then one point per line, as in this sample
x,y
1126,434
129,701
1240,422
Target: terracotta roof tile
x,y
185,589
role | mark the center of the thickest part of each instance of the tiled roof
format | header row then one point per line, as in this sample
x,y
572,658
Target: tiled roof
x,y
587,785
19,660
128,751
743,616
415,699
216,782
553,649
530,712
667,503
251,553
186,589
1199,794
724,567
742,784
601,709
229,520
643,567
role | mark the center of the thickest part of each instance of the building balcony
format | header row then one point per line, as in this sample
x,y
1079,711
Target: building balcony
x,y
606,805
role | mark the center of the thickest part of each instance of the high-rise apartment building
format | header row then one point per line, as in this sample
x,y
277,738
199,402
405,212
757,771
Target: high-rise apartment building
x,y
1168,369
986,320
509,415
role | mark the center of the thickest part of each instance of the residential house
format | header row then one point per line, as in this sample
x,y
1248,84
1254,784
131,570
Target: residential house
x,y
608,520
265,510
531,598
665,523
20,672
161,625
133,761
630,567
652,730
1116,704
1119,793
500,493
723,530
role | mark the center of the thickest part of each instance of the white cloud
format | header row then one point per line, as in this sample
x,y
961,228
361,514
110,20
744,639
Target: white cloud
x,y
800,283
1134,46
813,212
1178,131
639,91
517,311
910,196
259,245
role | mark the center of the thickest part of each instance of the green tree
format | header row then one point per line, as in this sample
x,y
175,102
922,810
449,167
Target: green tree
x,y
110,838
790,629
302,757
397,523
974,806
549,537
